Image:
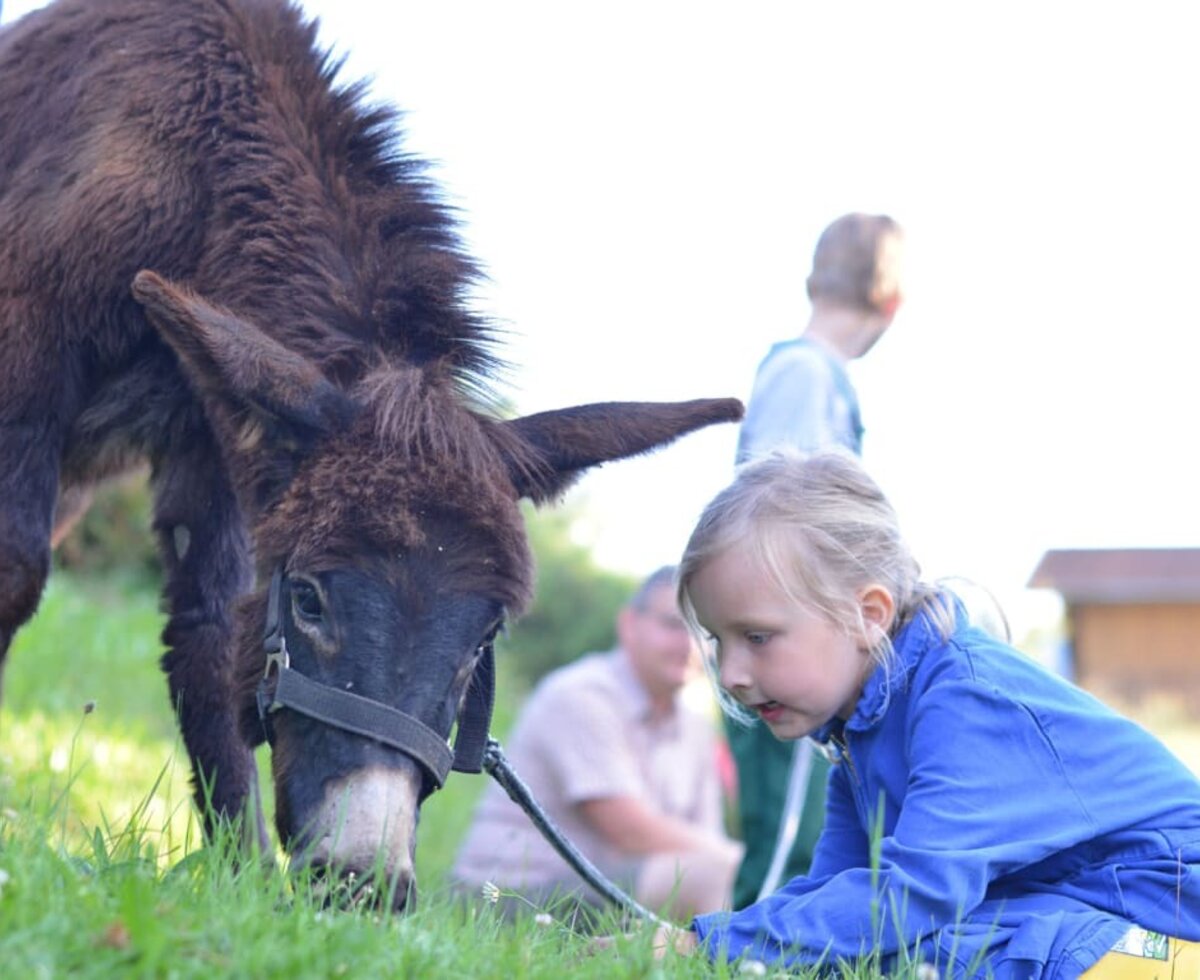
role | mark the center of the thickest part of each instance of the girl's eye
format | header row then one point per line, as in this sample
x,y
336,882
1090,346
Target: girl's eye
x,y
306,602
757,639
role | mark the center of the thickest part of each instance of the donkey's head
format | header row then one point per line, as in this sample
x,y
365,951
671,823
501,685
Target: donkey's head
x,y
386,519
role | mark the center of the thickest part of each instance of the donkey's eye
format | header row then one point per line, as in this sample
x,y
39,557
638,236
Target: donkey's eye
x,y
490,638
306,602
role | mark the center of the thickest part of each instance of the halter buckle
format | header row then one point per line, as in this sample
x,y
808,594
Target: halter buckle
x,y
277,655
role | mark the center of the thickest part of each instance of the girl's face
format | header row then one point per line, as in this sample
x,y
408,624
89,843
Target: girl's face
x,y
794,668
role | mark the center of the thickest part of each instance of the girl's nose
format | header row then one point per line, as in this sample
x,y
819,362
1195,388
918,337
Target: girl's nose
x,y
731,671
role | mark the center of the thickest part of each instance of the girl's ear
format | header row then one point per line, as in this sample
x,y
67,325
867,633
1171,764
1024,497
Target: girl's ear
x,y
878,608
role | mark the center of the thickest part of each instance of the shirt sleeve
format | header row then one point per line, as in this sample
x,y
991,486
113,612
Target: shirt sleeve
x,y
967,819
583,746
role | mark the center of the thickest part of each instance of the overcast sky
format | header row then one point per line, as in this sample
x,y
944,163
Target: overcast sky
x,y
644,182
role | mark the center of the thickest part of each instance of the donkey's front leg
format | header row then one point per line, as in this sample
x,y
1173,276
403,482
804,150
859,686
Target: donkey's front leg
x,y
28,484
207,558
35,401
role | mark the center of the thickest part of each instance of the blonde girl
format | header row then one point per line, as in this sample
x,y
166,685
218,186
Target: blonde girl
x,y
985,815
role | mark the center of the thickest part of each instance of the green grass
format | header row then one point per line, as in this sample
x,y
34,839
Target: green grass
x,y
83,693
103,870
113,911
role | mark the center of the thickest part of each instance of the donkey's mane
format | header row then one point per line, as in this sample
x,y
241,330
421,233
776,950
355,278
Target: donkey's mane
x,y
333,237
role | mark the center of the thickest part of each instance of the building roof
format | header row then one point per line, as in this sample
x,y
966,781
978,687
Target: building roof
x,y
1120,575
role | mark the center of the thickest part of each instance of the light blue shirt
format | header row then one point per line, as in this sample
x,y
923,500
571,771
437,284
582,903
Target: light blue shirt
x,y
802,398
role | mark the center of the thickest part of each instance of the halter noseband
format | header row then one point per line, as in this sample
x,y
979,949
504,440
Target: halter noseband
x,y
473,752
373,719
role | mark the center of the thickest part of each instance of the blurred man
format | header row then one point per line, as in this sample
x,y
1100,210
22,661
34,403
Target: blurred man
x,y
623,768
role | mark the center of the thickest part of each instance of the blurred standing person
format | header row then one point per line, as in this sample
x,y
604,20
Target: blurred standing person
x,y
623,768
803,398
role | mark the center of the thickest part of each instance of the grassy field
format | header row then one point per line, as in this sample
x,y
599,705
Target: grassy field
x,y
103,871
87,729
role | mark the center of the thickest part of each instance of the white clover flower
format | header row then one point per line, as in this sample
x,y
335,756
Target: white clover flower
x,y
753,968
490,892
543,919
4,880
927,971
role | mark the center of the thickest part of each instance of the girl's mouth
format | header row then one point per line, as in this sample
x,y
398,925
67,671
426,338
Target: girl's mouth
x,y
770,711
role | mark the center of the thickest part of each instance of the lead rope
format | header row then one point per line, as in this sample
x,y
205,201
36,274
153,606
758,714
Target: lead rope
x,y
498,766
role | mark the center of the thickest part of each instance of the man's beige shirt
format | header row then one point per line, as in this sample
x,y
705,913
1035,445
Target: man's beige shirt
x,y
587,732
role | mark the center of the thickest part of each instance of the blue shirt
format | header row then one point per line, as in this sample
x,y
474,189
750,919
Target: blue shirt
x,y
802,397
1020,825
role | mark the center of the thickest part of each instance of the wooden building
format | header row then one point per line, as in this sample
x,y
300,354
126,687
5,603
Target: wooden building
x,y
1133,617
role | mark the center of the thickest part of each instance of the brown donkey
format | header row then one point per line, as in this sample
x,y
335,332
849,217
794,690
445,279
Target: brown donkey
x,y
214,258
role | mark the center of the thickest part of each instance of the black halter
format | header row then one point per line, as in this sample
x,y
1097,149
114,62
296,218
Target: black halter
x,y
473,752
372,719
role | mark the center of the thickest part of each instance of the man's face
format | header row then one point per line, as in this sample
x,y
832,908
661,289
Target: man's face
x,y
658,643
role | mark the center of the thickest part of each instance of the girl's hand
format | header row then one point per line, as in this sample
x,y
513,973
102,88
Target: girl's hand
x,y
672,939
667,939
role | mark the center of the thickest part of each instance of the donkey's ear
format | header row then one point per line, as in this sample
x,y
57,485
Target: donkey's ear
x,y
230,358
571,440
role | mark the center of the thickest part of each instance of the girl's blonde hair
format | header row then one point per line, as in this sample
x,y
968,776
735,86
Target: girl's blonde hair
x,y
822,530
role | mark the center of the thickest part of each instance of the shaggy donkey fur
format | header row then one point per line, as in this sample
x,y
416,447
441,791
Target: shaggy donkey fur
x,y
214,258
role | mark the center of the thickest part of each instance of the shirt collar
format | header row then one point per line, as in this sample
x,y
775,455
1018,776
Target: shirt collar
x,y
921,633
637,698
